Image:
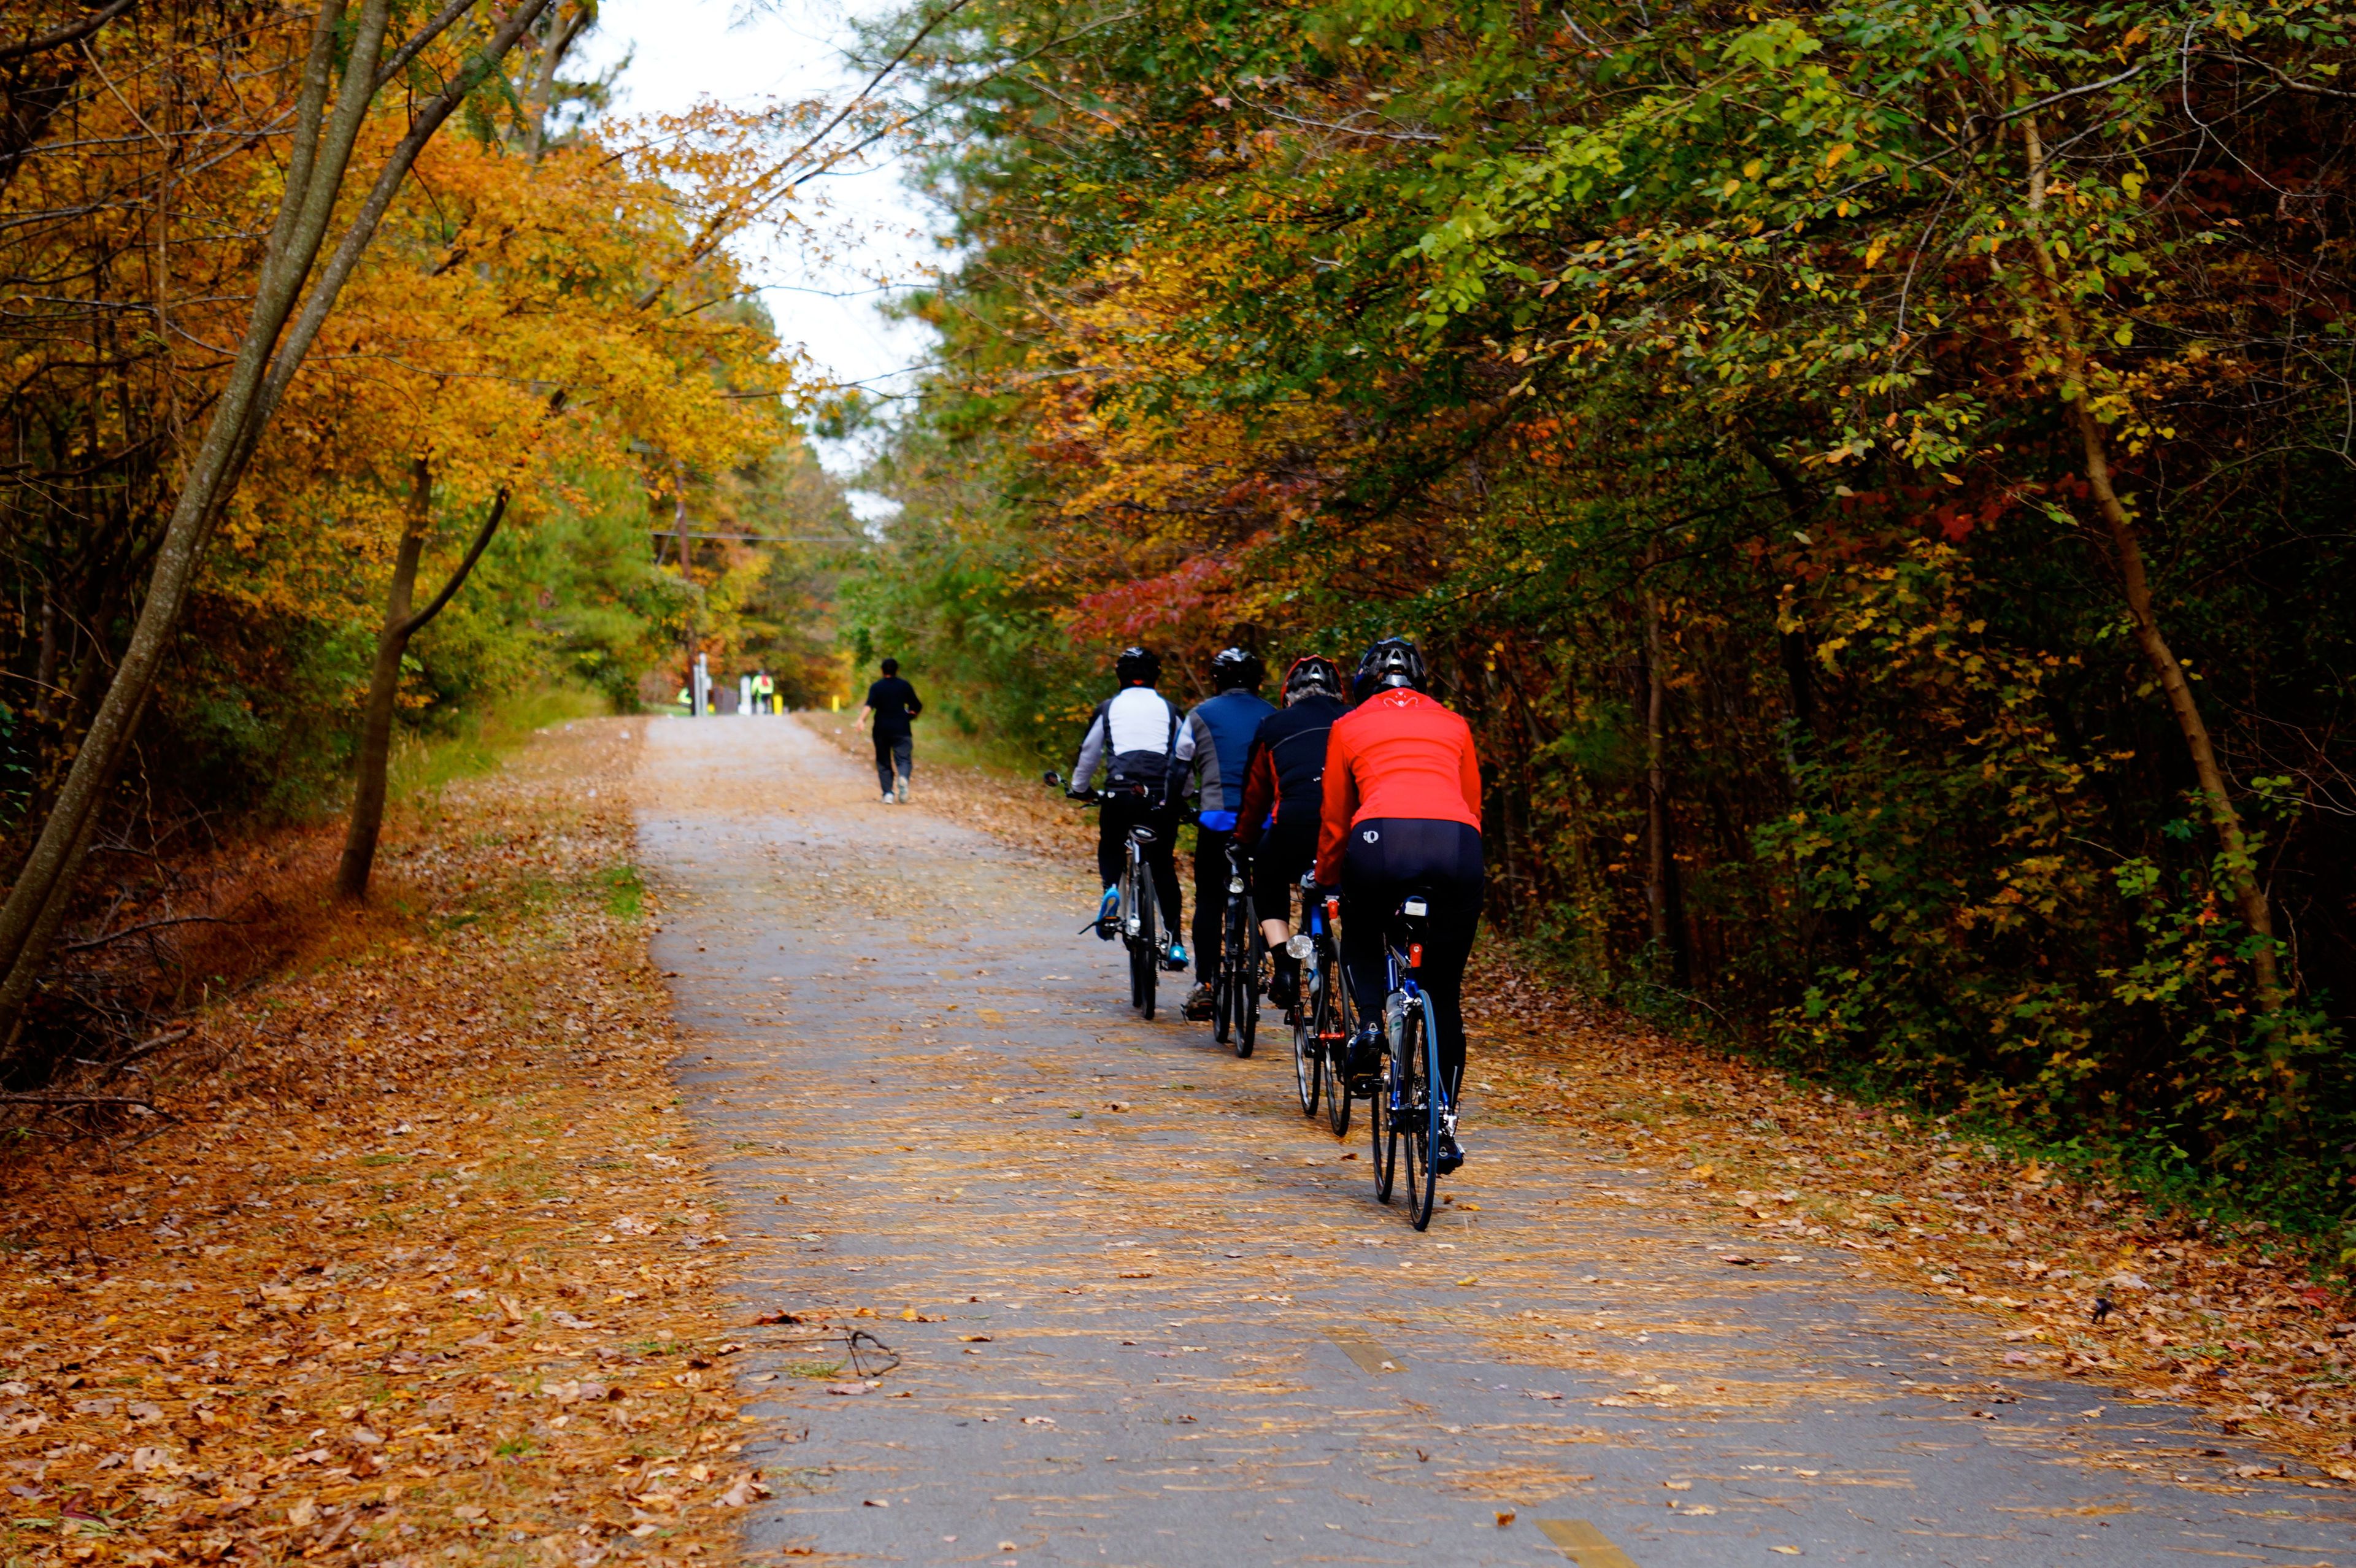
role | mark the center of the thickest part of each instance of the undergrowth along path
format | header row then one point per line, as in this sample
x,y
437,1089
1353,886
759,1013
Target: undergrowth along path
x,y
419,1265
1131,1307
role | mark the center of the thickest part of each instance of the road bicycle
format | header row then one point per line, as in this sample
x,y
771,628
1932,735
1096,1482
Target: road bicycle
x,y
1235,1006
1321,1010
1138,905
1412,1113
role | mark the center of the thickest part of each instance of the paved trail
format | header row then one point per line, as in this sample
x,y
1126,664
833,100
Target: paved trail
x,y
1163,1322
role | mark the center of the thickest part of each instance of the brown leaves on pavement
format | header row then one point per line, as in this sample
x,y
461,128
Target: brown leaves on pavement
x,y
2227,1323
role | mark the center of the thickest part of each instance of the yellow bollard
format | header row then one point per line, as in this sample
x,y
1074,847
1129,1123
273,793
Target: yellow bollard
x,y
834,703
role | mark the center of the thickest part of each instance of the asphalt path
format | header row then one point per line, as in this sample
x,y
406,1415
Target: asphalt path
x,y
1125,1306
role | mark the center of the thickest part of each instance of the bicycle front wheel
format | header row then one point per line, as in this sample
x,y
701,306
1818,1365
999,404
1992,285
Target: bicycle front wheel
x,y
1418,1045
1383,1119
1244,988
1308,1051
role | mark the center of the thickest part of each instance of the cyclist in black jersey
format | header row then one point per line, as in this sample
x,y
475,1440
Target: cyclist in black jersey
x,y
1282,795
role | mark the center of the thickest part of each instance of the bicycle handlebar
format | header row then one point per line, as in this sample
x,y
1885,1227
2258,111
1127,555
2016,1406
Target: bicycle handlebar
x,y
1094,796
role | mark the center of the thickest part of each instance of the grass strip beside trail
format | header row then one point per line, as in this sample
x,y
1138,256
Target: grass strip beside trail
x,y
420,1261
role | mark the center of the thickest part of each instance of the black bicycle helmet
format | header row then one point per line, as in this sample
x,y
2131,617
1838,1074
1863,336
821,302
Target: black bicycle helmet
x,y
1233,667
1136,667
1313,672
1394,661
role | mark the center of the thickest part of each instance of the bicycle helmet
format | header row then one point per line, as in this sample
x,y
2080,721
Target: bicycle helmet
x,y
1394,661
1137,666
1312,672
1233,667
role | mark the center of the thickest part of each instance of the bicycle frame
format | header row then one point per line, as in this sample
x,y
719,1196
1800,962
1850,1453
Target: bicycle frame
x,y
1400,961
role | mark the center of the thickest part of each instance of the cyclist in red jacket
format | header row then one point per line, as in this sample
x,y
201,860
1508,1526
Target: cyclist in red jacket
x,y
1402,814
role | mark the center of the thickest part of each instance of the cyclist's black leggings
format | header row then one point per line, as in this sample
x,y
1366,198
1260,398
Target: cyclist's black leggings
x,y
1385,858
1160,856
1210,898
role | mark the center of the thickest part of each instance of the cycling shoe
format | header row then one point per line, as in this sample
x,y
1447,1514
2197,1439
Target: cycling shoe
x,y
1176,957
1198,1002
1450,1155
1108,915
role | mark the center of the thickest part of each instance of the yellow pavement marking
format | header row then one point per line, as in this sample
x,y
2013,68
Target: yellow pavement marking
x,y
1370,1357
1583,1544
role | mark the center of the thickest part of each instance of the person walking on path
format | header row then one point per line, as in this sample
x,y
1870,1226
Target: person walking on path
x,y
1221,727
893,703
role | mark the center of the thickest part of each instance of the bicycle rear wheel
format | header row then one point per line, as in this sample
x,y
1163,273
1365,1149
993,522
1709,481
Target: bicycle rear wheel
x,y
1308,1051
1144,953
1223,995
1334,1026
1418,1046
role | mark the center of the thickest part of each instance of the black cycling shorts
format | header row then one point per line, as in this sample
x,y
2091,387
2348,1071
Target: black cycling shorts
x,y
1283,852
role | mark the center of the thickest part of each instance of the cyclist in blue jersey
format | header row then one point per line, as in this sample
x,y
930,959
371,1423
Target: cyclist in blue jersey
x,y
1220,732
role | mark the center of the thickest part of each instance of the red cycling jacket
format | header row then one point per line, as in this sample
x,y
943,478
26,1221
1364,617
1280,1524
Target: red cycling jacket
x,y
1398,753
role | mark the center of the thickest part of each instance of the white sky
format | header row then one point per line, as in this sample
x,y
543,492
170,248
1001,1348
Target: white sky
x,y
684,51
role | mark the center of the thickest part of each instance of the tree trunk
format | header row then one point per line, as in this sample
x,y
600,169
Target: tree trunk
x,y
565,27
384,690
318,156
45,666
2240,867
695,696
1660,868
384,682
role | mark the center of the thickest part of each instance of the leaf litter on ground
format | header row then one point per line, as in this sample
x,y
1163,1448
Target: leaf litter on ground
x,y
427,1268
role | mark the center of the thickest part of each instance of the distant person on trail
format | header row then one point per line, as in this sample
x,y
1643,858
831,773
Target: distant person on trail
x,y
1136,737
893,704
765,693
1221,729
1283,794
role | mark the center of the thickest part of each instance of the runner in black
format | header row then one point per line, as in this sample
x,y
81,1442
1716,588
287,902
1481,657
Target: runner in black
x,y
893,704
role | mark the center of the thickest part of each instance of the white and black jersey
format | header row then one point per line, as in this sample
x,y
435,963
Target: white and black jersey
x,y
1136,737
